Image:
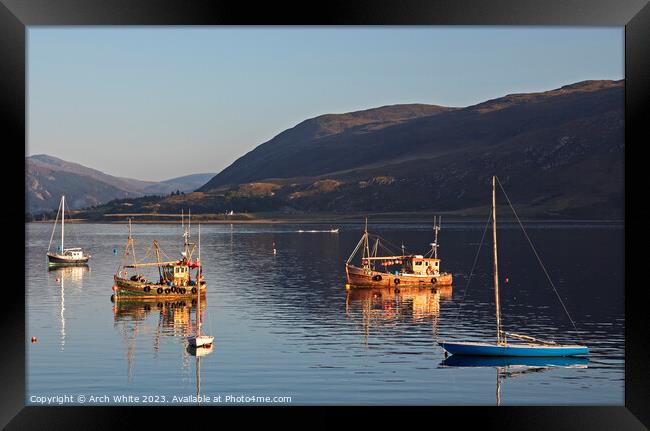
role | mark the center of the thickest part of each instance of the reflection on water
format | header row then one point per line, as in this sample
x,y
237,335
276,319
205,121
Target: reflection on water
x,y
284,324
73,275
381,306
172,319
198,352
510,367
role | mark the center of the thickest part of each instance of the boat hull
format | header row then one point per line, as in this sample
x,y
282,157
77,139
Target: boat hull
x,y
200,341
360,277
53,259
530,350
135,290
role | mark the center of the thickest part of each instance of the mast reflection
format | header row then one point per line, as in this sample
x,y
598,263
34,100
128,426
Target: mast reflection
x,y
382,307
73,276
153,319
508,367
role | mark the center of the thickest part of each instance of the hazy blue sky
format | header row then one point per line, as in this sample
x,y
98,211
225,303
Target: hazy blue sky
x,y
156,103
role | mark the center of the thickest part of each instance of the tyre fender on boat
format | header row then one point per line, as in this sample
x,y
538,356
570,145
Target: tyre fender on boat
x,y
434,280
159,290
396,281
376,277
147,288
194,290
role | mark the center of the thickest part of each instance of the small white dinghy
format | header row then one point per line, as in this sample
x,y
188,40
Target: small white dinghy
x,y
199,340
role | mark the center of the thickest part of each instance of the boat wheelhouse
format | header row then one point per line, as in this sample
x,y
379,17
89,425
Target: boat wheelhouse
x,y
395,269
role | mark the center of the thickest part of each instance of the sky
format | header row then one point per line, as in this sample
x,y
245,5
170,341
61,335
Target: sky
x,y
155,103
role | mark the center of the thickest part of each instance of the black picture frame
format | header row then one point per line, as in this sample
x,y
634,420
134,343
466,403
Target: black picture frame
x,y
17,15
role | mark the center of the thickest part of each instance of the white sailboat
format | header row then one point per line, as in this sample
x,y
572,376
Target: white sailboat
x,y
64,256
199,340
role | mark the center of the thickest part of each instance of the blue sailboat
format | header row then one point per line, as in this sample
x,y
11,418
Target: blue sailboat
x,y
509,344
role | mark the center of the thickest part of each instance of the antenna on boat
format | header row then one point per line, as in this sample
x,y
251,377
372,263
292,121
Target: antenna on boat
x,y
436,229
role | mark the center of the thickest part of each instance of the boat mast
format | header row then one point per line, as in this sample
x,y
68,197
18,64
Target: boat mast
x,y
367,247
436,229
496,263
62,220
135,262
198,291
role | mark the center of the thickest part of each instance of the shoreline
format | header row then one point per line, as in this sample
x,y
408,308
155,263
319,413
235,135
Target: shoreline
x,y
342,221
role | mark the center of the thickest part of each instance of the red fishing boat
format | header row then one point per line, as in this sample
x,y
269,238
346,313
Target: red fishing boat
x,y
395,269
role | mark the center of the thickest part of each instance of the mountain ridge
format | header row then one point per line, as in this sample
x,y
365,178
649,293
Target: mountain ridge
x,y
430,134
48,177
559,153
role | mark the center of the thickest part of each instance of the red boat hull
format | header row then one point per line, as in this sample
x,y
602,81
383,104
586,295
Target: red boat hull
x,y
361,277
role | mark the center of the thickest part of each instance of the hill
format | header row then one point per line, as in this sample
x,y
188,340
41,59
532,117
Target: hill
x,y
559,153
47,178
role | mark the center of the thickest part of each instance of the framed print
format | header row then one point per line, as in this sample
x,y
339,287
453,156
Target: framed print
x,y
258,212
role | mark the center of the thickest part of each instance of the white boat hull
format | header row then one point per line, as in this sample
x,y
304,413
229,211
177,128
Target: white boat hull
x,y
201,341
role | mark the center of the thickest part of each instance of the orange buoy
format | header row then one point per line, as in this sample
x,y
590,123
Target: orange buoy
x,y
114,288
34,339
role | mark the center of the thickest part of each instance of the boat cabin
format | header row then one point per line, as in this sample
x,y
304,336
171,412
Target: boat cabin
x,y
420,265
74,253
177,274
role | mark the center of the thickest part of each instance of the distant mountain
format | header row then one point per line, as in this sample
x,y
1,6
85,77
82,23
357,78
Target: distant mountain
x,y
49,177
559,153
187,183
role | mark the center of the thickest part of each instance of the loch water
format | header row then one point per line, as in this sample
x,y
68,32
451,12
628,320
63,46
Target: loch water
x,y
284,324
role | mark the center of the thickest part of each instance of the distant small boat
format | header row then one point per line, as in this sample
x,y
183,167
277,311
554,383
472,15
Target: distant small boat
x,y
65,256
525,345
199,341
319,231
395,269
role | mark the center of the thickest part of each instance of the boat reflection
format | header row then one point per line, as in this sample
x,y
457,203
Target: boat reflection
x,y
198,352
172,319
74,273
73,276
513,366
384,306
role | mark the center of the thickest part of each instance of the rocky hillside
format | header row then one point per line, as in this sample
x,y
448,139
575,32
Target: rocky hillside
x,y
559,153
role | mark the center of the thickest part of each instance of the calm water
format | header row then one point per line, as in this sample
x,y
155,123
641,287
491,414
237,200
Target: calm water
x,y
284,324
